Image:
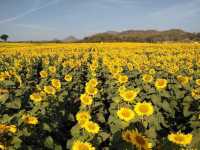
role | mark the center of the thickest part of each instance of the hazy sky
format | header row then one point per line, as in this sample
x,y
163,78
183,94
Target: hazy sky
x,y
49,19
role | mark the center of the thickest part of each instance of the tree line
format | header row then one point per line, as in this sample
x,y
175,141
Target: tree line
x,y
4,37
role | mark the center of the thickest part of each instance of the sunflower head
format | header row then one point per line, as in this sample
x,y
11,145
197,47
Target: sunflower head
x,y
49,90
83,117
197,82
91,127
183,79
36,97
144,109
56,83
122,79
161,84
78,145
52,69
196,93
68,77
125,114
91,90
147,78
30,120
180,138
86,99
43,74
129,95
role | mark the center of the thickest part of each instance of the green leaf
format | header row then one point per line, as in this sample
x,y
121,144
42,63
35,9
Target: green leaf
x,y
48,143
16,142
46,127
15,104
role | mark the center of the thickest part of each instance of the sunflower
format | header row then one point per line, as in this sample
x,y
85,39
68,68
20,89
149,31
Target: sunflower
x,y
68,77
2,146
121,89
12,128
91,127
147,78
152,71
83,117
52,69
140,141
36,97
30,120
56,83
160,84
180,138
126,136
43,74
144,109
90,90
49,90
125,114
78,145
86,99
129,95
92,83
122,79
197,82
136,139
183,79
196,93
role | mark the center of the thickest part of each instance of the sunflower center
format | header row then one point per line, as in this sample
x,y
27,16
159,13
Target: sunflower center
x,y
83,147
143,109
126,113
140,140
179,138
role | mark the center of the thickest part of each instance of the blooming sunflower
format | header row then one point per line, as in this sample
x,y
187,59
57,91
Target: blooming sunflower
x,y
128,95
36,97
49,90
91,127
30,120
122,79
78,145
43,74
183,79
197,82
196,93
127,136
144,109
12,128
147,78
56,83
160,84
90,90
68,77
52,69
180,138
83,117
140,141
86,99
125,114
92,83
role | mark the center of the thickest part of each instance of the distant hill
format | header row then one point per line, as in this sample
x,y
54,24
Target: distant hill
x,y
70,39
176,35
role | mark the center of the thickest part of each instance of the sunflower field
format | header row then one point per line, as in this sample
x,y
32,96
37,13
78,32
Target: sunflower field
x,y
100,96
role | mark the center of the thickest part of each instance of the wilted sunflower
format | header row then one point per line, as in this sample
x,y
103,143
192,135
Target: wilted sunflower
x,y
83,117
122,79
36,97
160,84
180,138
78,145
91,127
147,78
43,74
86,99
144,109
68,77
30,119
49,90
56,83
125,114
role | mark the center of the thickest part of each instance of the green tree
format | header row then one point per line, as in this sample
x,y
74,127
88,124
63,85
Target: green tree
x,y
4,37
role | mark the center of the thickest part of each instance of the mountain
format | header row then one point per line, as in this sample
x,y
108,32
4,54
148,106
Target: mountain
x,y
174,35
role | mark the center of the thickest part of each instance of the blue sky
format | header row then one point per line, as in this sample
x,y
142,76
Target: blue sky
x,y
49,19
